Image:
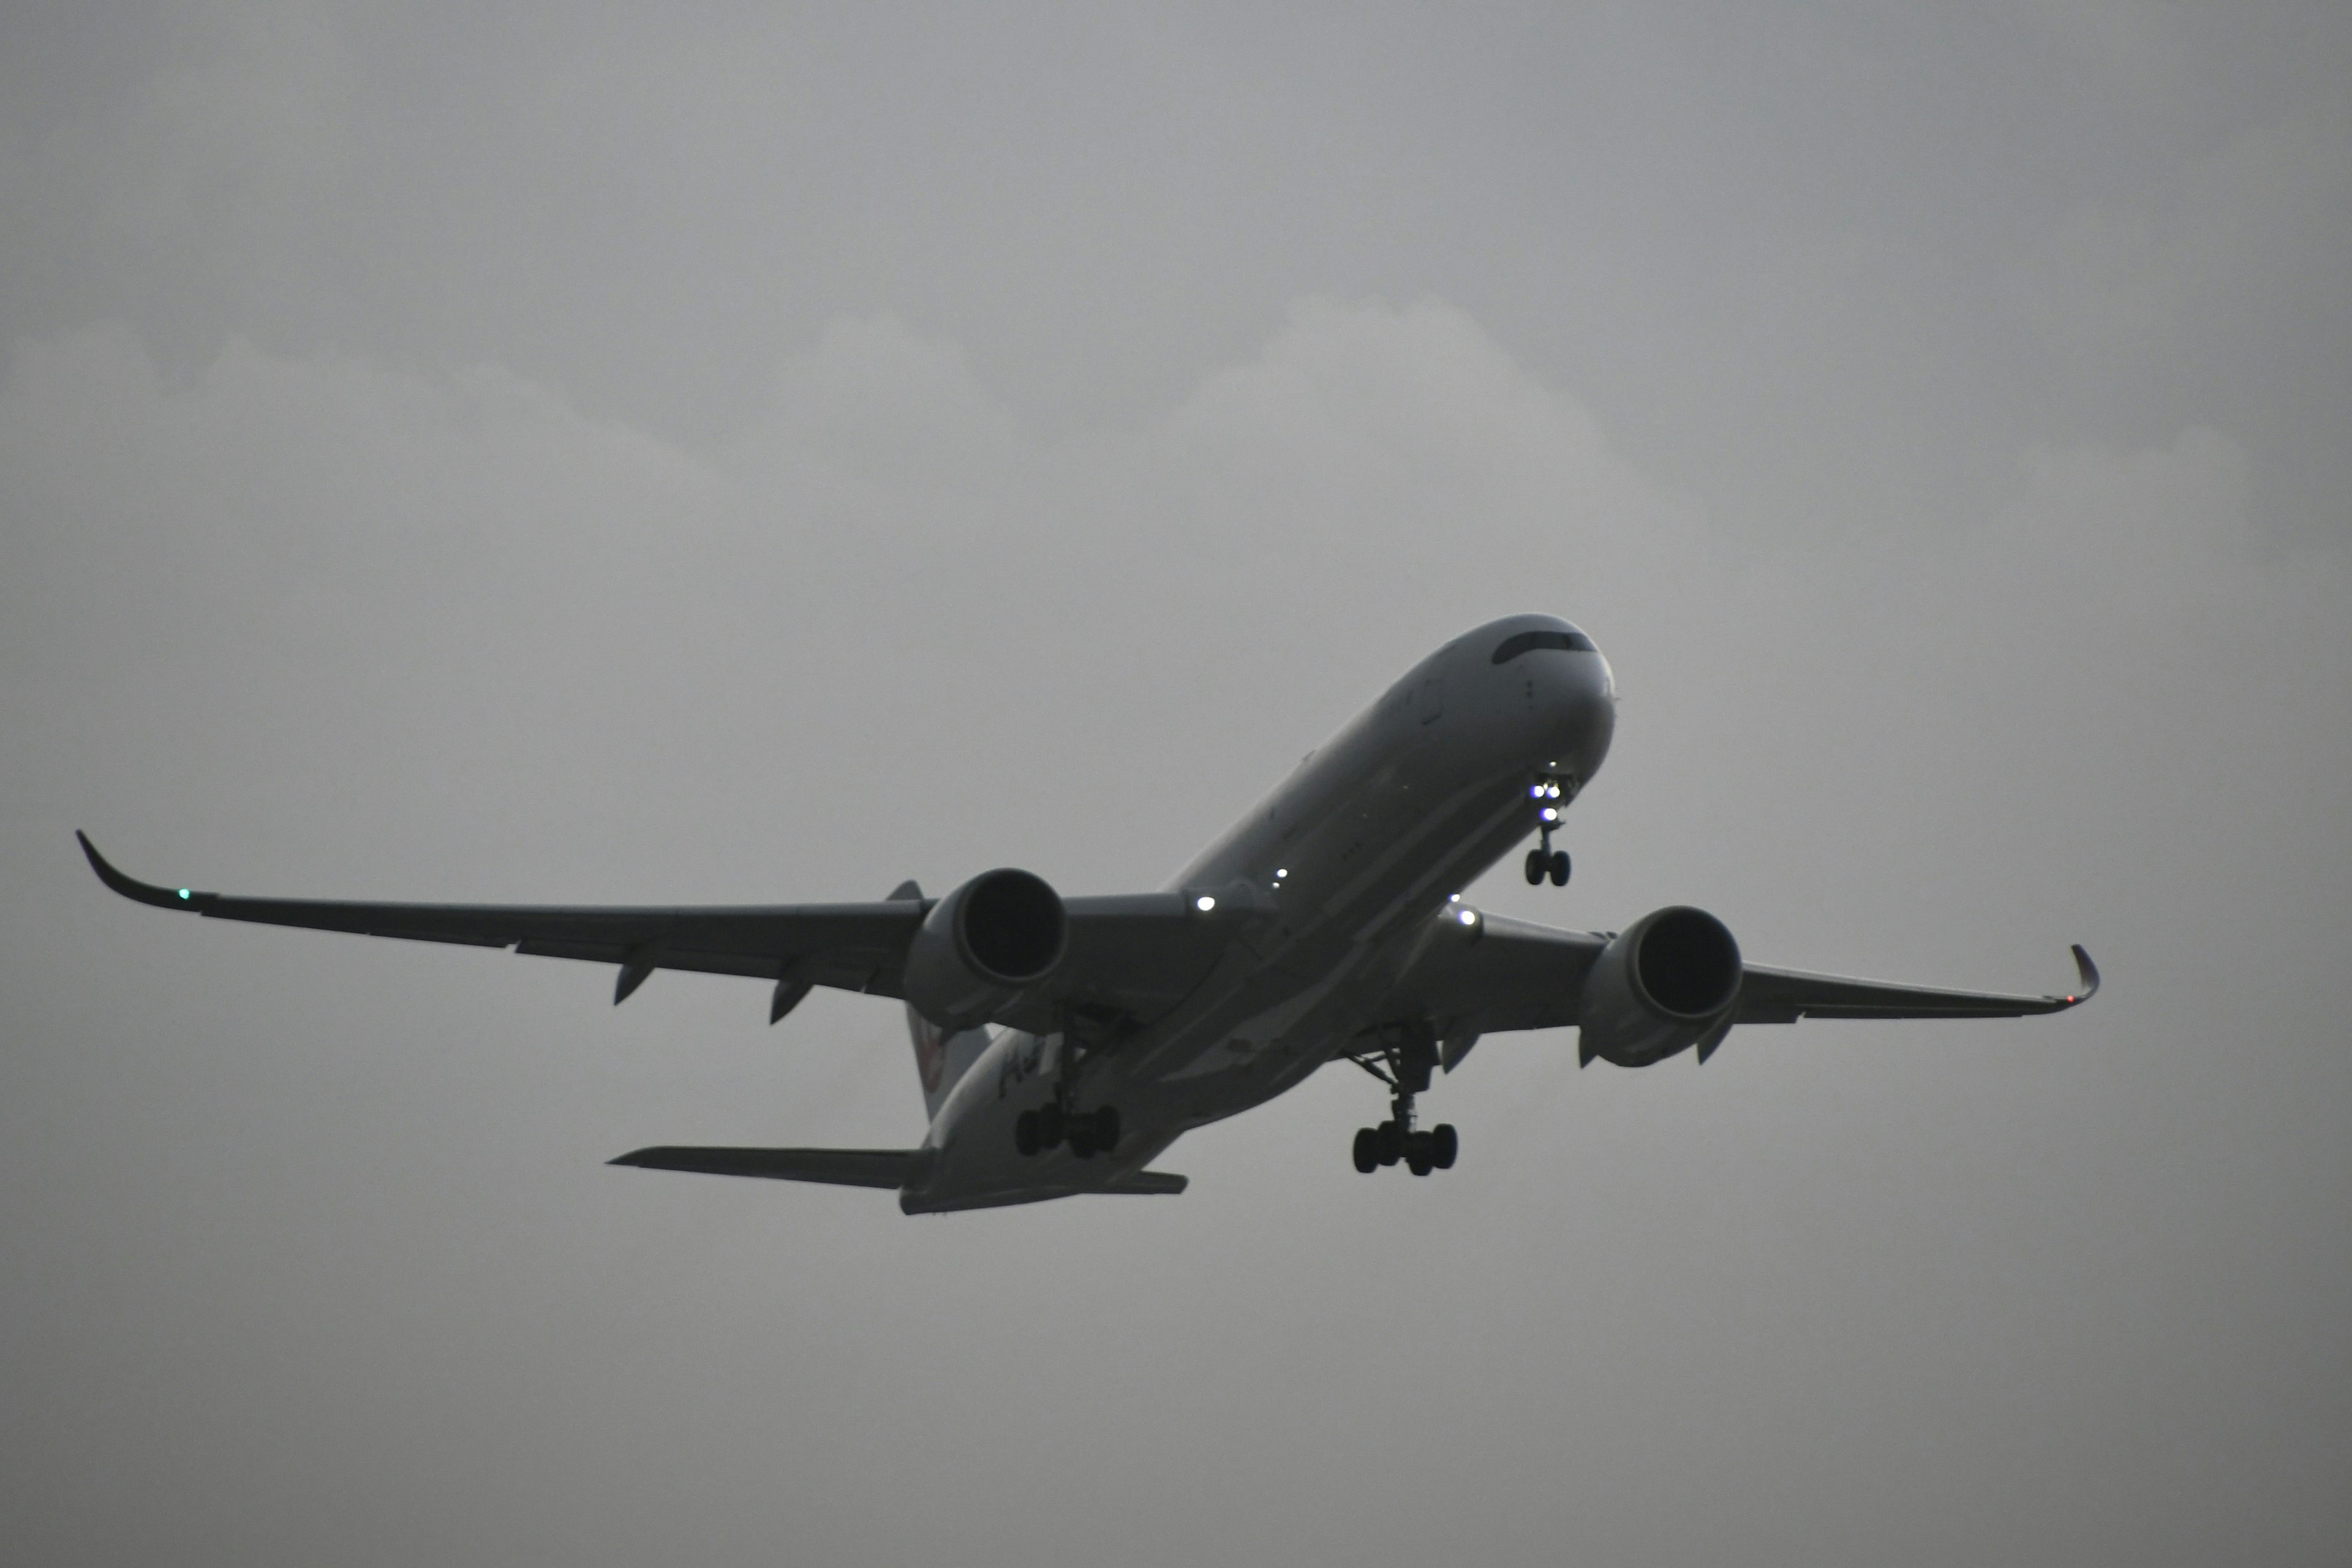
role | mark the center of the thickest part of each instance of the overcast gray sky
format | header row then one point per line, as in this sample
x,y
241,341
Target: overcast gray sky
x,y
735,453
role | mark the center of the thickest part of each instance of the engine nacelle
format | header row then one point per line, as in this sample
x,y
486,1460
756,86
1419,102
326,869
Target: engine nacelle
x,y
1661,985
982,945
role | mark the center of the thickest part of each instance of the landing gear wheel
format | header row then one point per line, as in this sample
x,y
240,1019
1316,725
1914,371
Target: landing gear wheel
x,y
1368,1150
1538,864
1419,1157
1024,1133
1387,1137
1106,1128
1559,868
1082,1140
1444,1143
1050,1126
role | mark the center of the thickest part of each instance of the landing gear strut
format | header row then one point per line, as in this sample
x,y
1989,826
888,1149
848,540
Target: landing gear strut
x,y
1405,1068
1547,861
1059,1121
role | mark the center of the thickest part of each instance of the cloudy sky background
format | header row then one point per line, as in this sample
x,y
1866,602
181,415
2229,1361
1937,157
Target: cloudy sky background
x,y
739,454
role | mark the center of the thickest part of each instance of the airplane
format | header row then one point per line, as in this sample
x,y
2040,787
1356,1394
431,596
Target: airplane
x,y
1065,1044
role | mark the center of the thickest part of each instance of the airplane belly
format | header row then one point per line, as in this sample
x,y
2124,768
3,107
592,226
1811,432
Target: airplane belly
x,y
974,1160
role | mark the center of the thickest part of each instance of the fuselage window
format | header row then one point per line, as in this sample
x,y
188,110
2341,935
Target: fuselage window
x,y
1527,642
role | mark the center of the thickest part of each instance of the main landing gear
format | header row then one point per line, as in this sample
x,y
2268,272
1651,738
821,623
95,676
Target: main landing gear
x,y
1059,1121
1548,861
1405,1068
1051,1125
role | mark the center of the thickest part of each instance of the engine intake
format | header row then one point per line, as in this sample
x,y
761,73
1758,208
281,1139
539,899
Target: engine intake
x,y
1661,986
982,945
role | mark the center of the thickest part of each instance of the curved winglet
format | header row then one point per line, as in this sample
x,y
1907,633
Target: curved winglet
x,y
2089,973
133,888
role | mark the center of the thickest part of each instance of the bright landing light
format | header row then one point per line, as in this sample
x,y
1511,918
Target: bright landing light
x,y
1469,917
1204,903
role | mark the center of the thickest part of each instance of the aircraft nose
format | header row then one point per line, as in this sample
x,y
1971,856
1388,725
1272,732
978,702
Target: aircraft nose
x,y
1580,700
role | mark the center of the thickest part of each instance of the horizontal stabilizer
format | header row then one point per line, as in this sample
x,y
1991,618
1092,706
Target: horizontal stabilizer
x,y
836,1167
1156,1183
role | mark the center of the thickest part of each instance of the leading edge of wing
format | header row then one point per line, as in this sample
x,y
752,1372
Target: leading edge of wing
x,y
1784,995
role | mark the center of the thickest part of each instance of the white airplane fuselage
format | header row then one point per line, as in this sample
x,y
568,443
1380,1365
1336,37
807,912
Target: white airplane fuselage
x,y
1340,874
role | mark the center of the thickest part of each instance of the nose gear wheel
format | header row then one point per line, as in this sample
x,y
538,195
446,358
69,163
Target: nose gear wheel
x,y
1549,794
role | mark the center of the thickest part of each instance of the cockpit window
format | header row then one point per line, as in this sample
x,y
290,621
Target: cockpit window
x,y
1527,642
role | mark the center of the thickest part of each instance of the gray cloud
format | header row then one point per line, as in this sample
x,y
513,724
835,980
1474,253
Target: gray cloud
x,y
441,461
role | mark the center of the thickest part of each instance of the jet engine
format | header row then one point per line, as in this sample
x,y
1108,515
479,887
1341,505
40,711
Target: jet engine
x,y
982,945
1666,983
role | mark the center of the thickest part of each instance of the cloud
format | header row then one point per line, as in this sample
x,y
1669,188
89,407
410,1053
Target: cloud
x,y
197,197
320,623
2218,300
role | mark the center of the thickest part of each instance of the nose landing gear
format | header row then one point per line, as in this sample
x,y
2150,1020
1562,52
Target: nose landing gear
x,y
1549,794
1404,1068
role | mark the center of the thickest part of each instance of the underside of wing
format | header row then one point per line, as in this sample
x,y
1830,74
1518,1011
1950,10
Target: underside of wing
x,y
1498,975
858,947
1785,995
1129,957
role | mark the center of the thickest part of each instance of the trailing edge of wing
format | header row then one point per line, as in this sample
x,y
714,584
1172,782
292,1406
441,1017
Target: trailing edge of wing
x,y
835,1167
1785,995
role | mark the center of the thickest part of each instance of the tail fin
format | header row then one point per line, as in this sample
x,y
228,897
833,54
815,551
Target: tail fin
x,y
941,1058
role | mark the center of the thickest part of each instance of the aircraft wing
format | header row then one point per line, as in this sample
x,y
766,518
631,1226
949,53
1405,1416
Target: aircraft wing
x,y
1518,976
1785,995
1136,955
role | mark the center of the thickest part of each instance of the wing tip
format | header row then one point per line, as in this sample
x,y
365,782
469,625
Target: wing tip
x,y
131,886
2087,975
